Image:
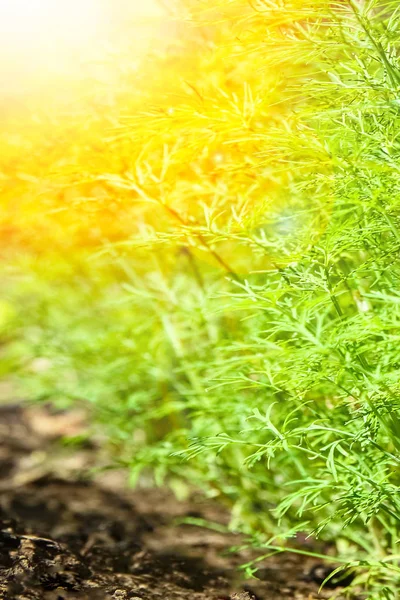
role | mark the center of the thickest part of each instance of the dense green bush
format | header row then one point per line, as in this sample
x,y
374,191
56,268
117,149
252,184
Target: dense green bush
x,y
245,338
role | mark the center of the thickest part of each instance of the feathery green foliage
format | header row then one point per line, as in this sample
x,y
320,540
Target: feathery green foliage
x,y
244,338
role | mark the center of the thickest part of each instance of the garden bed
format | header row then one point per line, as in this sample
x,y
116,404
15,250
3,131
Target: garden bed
x,y
67,536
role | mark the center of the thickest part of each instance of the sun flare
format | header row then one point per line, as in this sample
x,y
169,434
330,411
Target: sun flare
x,y
44,35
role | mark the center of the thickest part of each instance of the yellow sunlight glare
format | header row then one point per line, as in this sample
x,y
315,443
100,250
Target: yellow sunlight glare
x,y
58,35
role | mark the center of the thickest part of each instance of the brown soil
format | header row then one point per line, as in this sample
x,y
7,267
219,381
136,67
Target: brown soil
x,y
64,536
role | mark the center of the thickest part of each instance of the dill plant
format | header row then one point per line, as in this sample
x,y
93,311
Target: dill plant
x,y
241,334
